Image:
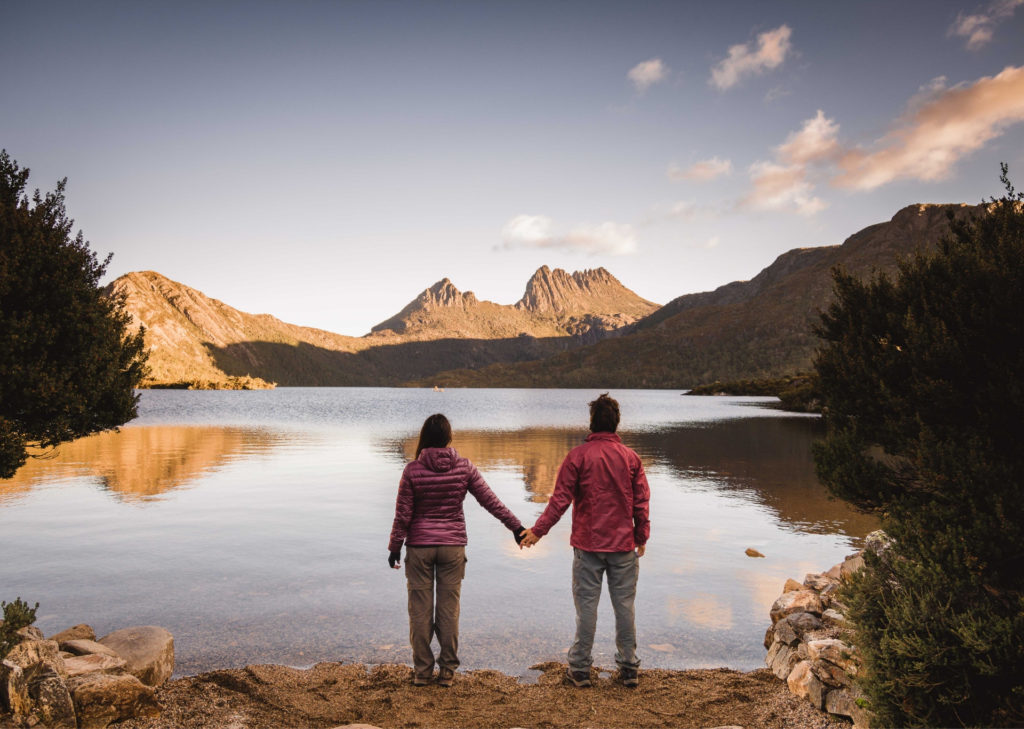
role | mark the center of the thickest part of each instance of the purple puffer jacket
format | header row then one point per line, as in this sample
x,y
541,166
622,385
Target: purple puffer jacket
x,y
430,495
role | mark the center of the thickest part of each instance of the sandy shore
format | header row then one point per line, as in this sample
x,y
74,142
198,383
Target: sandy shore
x,y
330,694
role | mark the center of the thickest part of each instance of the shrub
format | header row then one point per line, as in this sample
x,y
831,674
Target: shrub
x,y
922,379
17,615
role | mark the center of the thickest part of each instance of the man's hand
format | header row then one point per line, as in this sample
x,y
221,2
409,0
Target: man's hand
x,y
529,539
641,550
394,558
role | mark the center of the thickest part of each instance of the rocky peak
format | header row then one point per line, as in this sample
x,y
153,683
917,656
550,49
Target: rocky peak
x,y
444,293
557,292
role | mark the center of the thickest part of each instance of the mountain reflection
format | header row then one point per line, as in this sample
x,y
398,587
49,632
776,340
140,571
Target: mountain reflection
x,y
140,463
765,460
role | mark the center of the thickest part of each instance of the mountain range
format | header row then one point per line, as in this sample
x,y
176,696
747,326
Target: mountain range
x,y
581,329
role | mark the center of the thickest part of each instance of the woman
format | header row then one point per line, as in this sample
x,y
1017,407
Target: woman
x,y
429,519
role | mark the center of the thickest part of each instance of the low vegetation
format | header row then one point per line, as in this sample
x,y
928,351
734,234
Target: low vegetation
x,y
17,615
797,393
922,378
228,383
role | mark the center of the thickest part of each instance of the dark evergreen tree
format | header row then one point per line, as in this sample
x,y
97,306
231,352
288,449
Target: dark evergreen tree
x,y
922,378
68,363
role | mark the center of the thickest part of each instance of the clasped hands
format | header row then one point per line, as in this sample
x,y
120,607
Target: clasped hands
x,y
526,538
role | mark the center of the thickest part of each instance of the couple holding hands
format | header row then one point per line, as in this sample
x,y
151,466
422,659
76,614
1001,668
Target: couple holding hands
x,y
602,478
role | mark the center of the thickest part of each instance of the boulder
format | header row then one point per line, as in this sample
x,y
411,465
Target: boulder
x,y
32,685
51,702
798,601
836,572
785,632
148,651
784,661
102,698
833,617
82,647
80,631
844,703
751,552
791,585
803,683
804,623
817,582
769,637
850,566
13,689
91,662
834,651
29,632
36,656
830,674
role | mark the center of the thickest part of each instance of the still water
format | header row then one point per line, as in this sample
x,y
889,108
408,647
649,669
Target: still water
x,y
254,525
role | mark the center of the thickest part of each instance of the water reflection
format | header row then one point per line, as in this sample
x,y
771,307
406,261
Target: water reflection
x,y
766,461
140,463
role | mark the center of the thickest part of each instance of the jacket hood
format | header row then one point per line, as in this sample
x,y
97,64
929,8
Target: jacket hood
x,y
438,460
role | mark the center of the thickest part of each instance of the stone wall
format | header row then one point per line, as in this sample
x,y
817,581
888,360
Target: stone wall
x,y
810,640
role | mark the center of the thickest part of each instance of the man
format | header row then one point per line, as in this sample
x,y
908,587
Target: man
x,y
605,482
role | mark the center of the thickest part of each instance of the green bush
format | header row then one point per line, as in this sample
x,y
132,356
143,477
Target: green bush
x,y
17,615
922,379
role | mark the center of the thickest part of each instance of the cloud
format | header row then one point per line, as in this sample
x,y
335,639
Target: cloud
x,y
979,27
648,73
782,187
938,130
537,231
707,169
772,48
783,183
815,141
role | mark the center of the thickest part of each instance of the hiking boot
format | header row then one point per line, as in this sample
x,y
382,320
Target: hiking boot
x,y
445,677
628,677
418,680
579,679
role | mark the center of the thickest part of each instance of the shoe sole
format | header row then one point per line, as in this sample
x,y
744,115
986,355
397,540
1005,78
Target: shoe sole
x,y
584,683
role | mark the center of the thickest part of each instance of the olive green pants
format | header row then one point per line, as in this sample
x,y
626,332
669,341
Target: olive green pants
x,y
425,568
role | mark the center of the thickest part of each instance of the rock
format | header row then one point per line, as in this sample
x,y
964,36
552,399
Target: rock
x,y
753,553
51,702
148,651
836,572
834,651
844,703
769,637
83,647
80,631
773,651
90,662
785,632
36,656
850,566
804,623
784,661
29,632
818,582
836,618
803,683
13,689
798,601
878,543
830,674
101,699
791,585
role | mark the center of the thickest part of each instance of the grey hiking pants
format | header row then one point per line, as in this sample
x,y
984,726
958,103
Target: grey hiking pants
x,y
426,567
588,568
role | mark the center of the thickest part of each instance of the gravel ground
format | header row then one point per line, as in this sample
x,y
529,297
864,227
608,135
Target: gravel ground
x,y
331,694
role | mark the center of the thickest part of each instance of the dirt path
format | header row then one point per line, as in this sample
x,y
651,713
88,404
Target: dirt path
x,y
330,694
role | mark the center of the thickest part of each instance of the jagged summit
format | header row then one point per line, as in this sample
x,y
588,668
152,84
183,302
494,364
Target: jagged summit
x,y
555,303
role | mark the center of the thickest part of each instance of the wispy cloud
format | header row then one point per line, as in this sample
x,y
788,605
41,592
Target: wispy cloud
x,y
979,27
944,126
707,169
815,141
538,231
646,74
751,59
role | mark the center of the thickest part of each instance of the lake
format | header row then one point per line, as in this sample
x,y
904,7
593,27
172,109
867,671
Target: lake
x,y
254,525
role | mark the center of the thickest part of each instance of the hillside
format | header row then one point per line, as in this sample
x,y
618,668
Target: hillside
x,y
756,328
194,337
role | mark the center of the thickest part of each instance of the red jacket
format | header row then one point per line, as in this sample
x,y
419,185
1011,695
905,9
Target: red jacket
x,y
605,482
428,511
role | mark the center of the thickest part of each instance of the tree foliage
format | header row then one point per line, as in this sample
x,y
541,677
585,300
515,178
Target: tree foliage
x,y
922,378
16,615
68,362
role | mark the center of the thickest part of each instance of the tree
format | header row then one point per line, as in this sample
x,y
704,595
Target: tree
x,y
922,378
68,362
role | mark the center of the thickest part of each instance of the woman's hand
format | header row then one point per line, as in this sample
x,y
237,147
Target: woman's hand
x,y
518,534
394,559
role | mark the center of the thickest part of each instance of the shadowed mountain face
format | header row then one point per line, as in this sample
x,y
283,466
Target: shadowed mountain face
x,y
745,329
194,337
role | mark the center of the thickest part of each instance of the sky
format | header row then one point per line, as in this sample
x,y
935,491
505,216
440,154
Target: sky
x,y
325,162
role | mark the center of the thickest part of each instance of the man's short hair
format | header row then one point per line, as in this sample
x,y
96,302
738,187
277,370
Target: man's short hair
x,y
604,414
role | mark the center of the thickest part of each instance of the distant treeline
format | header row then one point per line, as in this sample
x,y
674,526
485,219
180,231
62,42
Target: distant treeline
x,y
798,393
